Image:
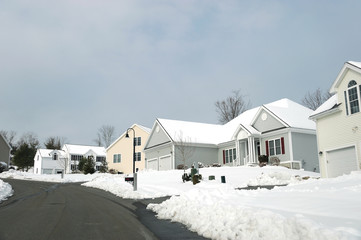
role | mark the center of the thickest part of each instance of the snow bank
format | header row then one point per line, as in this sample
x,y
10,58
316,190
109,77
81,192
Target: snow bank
x,y
312,209
14,174
5,190
210,215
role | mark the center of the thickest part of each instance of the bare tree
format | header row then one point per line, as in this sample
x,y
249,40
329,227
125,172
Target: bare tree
x,y
63,162
105,135
184,147
231,107
315,99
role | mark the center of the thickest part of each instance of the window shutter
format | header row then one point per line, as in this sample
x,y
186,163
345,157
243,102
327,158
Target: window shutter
x,y
346,104
267,150
224,157
283,145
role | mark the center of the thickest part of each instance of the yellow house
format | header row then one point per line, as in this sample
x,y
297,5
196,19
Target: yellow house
x,y
120,152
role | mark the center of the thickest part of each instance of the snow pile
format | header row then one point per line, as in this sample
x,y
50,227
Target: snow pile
x,y
5,191
274,178
210,215
153,184
14,174
116,185
313,209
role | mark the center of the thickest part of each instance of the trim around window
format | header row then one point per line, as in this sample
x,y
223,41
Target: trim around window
x,y
352,98
275,147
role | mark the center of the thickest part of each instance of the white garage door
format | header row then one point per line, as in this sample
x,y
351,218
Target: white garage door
x,y
152,164
165,163
341,161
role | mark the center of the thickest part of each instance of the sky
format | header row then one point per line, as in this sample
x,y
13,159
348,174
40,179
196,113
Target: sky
x,y
68,67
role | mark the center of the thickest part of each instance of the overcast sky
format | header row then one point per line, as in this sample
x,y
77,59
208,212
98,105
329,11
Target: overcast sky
x,y
68,67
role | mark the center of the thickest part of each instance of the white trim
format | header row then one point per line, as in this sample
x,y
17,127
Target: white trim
x,y
290,147
152,159
346,67
173,157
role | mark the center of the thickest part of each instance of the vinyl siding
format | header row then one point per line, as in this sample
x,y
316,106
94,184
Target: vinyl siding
x,y
124,146
205,155
338,130
4,151
305,150
269,124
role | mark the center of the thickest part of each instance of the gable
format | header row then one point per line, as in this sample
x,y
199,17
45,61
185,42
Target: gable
x,y
353,67
265,122
157,137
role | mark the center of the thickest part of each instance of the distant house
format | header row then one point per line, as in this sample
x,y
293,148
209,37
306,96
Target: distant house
x,y
50,161
338,123
120,152
5,149
279,129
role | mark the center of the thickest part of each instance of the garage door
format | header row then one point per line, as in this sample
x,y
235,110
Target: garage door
x,y
341,161
152,164
165,163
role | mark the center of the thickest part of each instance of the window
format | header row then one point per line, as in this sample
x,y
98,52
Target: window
x,y
229,155
352,98
137,141
100,159
55,156
74,167
76,157
138,156
275,147
117,158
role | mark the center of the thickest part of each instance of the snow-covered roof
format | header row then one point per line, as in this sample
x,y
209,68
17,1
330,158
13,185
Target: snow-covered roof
x,y
291,113
356,64
82,149
331,103
48,152
192,131
148,130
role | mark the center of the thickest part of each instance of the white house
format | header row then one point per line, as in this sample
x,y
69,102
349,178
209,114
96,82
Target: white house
x,y
48,161
280,129
338,123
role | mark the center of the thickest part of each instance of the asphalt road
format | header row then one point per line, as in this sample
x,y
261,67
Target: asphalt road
x,y
41,210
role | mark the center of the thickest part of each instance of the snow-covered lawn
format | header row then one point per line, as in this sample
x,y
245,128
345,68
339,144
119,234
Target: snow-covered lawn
x,y
305,209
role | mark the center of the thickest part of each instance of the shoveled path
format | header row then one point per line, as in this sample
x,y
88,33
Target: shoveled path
x,y
42,210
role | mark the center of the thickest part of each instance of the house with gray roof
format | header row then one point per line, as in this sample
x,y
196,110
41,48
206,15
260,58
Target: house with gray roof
x,y
280,130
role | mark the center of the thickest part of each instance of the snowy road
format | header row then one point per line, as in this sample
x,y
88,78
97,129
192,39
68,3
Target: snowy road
x,y
40,210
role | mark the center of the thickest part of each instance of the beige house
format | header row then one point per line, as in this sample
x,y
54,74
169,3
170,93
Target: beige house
x,y
120,152
338,123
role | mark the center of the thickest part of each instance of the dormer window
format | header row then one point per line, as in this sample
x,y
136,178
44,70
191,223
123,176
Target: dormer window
x,y
55,156
352,98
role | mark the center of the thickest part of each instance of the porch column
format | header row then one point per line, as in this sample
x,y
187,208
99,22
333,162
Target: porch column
x,y
251,149
238,152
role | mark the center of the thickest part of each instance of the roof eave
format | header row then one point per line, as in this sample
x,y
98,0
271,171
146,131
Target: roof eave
x,y
324,113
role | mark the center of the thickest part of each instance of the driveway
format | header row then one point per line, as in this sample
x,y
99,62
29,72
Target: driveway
x,y
42,210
